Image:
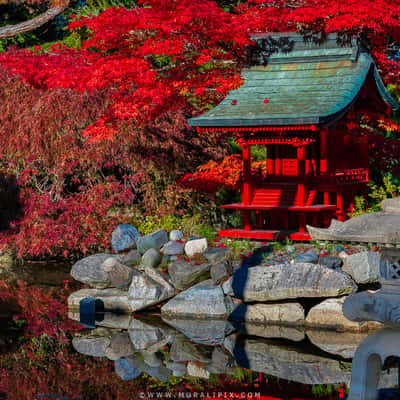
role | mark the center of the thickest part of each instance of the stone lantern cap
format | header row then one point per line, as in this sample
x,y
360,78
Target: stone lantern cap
x,y
382,227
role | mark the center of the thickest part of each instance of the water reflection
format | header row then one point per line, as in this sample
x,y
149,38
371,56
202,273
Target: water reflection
x,y
179,347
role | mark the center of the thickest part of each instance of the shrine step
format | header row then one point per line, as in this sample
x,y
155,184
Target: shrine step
x,y
266,234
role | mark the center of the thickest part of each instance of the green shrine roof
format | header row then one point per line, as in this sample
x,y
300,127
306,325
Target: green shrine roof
x,y
303,82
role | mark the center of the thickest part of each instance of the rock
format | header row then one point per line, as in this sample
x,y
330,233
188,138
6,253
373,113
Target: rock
x,y
183,350
124,237
151,359
120,346
220,272
132,258
196,246
119,274
308,257
343,255
391,206
197,370
363,267
94,343
90,270
206,332
343,344
125,370
286,362
115,300
175,235
329,315
287,281
113,320
172,248
216,254
331,262
151,258
145,291
282,314
153,240
147,337
185,274
203,300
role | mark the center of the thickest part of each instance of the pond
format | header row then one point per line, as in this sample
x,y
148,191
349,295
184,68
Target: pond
x,y
46,353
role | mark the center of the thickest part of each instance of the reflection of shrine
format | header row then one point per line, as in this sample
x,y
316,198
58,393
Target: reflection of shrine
x,y
374,352
296,101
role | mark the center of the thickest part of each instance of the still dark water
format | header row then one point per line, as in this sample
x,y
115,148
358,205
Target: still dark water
x,y
47,354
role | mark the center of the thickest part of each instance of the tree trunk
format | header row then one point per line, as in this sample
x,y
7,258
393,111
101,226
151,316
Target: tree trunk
x,y
10,31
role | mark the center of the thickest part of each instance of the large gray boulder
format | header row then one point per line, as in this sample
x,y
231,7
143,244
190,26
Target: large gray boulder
x,y
125,370
89,270
363,267
185,274
153,240
195,246
378,227
146,290
287,281
114,300
119,274
216,255
132,258
221,272
173,248
151,258
203,300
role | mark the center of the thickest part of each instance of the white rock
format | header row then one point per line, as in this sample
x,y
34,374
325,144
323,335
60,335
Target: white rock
x,y
196,246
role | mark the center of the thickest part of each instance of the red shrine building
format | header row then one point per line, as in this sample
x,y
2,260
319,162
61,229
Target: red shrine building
x,y
297,99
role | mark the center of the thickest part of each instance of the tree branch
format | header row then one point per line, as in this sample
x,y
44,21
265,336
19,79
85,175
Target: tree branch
x,y
10,31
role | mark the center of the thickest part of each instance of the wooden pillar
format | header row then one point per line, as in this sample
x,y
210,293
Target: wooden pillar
x,y
246,193
339,204
301,169
246,220
326,198
351,206
314,156
307,161
270,160
323,166
278,160
302,222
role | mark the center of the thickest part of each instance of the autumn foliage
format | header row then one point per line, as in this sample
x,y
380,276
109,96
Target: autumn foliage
x,y
91,130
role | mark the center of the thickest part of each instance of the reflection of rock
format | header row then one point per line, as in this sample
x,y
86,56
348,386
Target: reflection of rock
x,y
379,306
145,336
93,343
287,281
363,267
159,372
146,290
120,346
90,270
378,227
125,370
368,361
210,332
182,349
285,362
343,344
282,313
113,299
201,300
329,314
271,331
178,369
106,320
221,360
197,370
